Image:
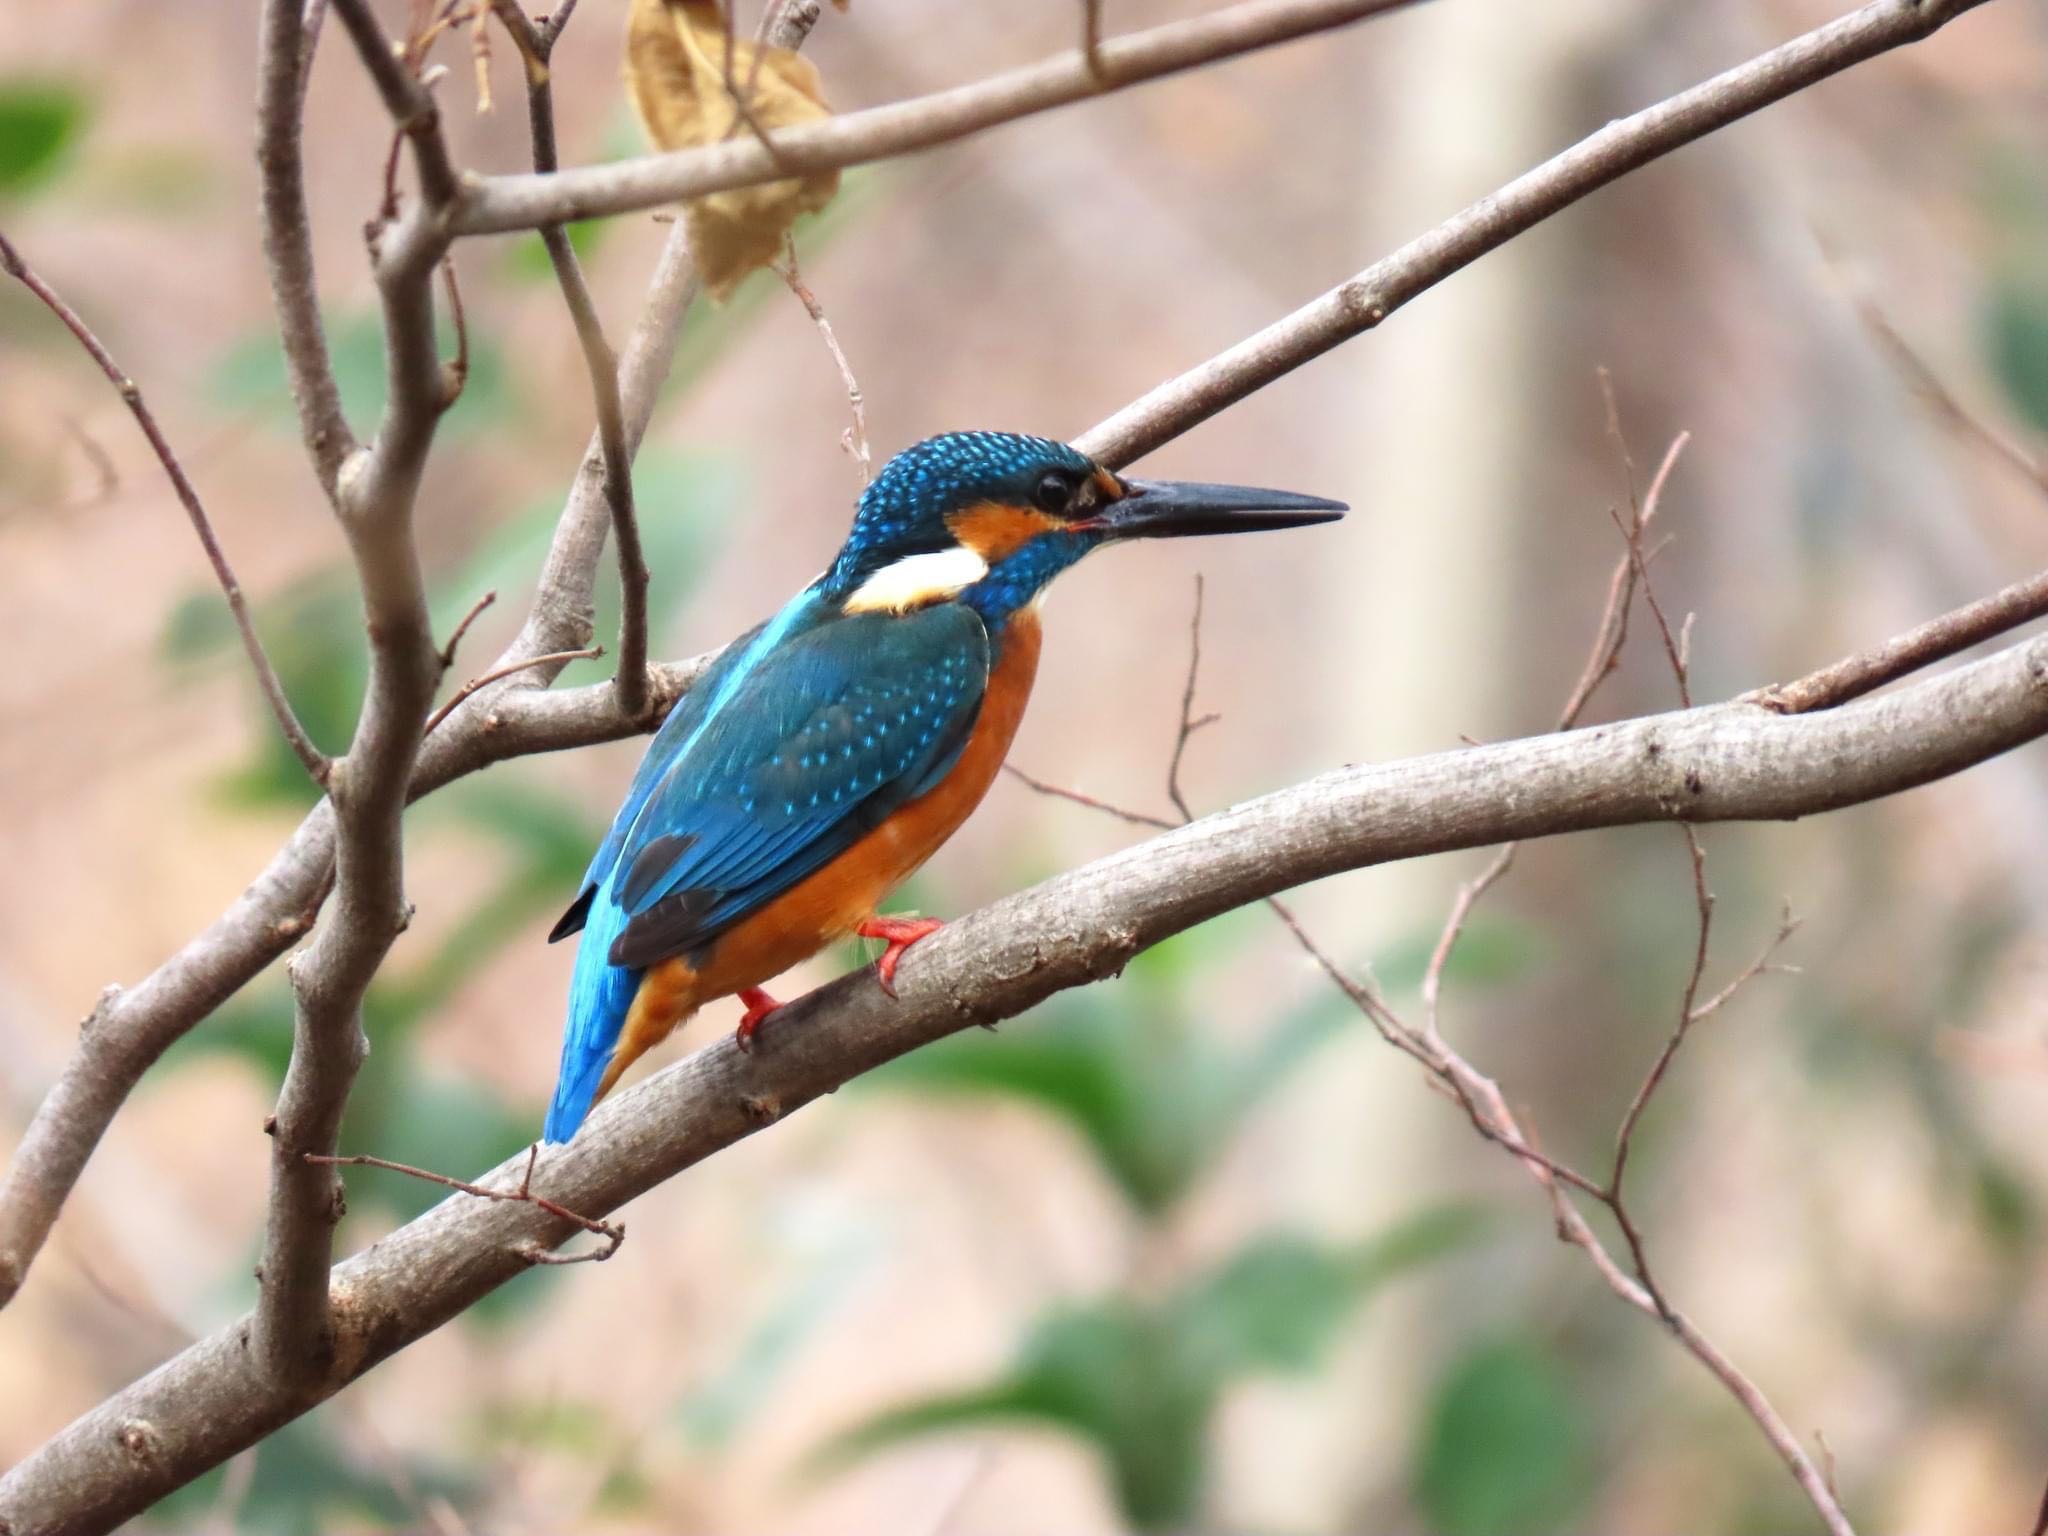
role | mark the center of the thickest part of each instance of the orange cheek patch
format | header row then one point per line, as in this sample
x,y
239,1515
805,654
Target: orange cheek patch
x,y
995,531
1111,488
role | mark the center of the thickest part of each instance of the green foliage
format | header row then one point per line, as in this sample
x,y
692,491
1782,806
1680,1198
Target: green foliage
x,y
1140,1380
250,376
1276,1305
2015,330
527,261
2013,308
1504,1449
41,121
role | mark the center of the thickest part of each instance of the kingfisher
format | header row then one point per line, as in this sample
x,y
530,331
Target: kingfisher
x,y
827,753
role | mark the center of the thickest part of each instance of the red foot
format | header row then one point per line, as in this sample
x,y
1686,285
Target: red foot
x,y
759,1006
899,933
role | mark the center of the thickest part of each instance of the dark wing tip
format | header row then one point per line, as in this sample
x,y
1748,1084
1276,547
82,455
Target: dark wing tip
x,y
672,925
572,921
650,865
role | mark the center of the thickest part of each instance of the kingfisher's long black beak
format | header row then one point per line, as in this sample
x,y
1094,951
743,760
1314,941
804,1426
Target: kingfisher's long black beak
x,y
1172,509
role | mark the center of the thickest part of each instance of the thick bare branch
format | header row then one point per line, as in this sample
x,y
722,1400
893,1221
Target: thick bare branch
x,y
1622,146
504,203
285,56
377,491
1722,762
188,496
855,438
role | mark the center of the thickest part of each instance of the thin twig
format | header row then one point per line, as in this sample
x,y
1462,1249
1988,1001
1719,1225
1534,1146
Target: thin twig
x,y
1762,965
1135,818
1480,1096
855,438
456,372
1610,635
314,760
600,363
1624,1138
462,628
1189,721
462,694
406,99
614,1233
558,18
1936,640
1091,38
480,51
742,96
286,39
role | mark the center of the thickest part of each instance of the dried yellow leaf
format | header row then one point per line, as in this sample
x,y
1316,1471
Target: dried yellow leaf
x,y
676,71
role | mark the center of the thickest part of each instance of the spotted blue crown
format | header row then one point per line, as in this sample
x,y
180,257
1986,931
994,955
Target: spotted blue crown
x,y
904,511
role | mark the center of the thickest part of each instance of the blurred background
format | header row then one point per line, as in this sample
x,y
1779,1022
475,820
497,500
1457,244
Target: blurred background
x,y
1192,1249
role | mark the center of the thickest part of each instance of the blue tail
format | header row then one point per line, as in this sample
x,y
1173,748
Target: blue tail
x,y
600,996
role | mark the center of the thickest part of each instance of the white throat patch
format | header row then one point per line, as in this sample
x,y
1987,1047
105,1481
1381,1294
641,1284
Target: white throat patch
x,y
918,579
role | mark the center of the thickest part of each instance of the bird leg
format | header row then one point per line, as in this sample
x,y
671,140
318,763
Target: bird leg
x,y
759,1006
899,933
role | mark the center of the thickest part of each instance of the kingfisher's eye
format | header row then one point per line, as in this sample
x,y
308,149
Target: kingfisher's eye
x,y
1053,491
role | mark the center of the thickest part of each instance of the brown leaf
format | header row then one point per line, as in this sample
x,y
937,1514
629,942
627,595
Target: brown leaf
x,y
676,71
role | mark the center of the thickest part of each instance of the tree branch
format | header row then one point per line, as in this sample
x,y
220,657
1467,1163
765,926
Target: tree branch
x,y
377,490
285,59
1622,146
312,757
536,47
411,108
503,203
1718,763
1936,640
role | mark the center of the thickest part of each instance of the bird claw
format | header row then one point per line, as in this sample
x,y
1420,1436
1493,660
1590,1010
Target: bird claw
x,y
899,933
759,1006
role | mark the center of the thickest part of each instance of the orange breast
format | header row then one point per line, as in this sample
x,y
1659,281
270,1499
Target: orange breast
x,y
833,902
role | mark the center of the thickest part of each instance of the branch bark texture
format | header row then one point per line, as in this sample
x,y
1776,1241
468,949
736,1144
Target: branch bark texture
x,y
1726,762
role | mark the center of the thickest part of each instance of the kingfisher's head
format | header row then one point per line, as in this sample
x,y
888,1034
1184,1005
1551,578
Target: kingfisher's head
x,y
991,517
